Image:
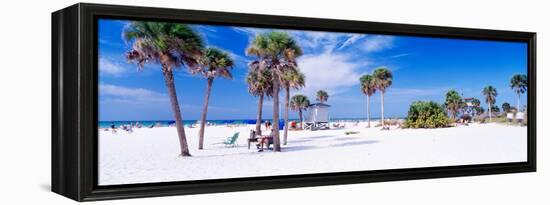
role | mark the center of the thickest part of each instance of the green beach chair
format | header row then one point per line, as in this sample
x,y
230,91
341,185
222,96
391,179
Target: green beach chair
x,y
231,141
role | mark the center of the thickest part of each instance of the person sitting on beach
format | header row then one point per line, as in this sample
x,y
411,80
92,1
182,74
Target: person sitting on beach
x,y
265,140
129,129
267,125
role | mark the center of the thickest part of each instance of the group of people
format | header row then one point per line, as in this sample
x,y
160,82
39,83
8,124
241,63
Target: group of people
x,y
126,127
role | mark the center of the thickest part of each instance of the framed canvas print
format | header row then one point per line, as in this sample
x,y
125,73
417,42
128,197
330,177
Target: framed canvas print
x,y
155,102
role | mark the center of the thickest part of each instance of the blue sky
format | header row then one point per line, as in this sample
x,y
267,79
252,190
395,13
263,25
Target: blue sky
x,y
423,69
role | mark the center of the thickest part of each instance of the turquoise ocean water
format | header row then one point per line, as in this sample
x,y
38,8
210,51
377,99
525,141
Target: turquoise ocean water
x,y
164,123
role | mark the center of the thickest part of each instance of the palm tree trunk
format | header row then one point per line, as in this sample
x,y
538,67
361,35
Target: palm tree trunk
x,y
301,118
287,100
519,95
368,110
259,117
204,111
276,139
169,80
382,108
490,112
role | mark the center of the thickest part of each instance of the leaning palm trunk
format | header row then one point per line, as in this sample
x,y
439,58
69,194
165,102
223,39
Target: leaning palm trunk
x,y
382,108
368,110
276,139
287,100
259,117
204,111
169,80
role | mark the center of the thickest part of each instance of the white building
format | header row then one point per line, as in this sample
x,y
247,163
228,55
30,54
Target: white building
x,y
317,117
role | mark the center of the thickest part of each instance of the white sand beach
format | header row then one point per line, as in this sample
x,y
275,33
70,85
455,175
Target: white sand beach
x,y
151,154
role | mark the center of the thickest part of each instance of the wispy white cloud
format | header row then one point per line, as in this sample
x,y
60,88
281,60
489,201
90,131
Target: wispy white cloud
x,y
250,32
207,31
240,60
376,43
332,61
352,39
333,72
400,55
121,94
318,41
109,67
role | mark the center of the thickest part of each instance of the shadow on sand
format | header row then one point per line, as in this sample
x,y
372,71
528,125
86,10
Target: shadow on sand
x,y
299,141
321,137
299,148
346,138
354,143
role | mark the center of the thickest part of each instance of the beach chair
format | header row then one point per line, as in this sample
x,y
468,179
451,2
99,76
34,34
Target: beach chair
x,y
231,141
253,138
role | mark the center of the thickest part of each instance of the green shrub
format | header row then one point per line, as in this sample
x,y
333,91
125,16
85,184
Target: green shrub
x,y
426,115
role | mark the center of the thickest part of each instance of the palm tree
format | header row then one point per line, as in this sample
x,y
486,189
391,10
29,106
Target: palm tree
x,y
172,45
383,79
299,103
259,84
506,107
322,96
490,94
453,103
519,84
214,63
495,108
368,88
479,110
275,51
294,79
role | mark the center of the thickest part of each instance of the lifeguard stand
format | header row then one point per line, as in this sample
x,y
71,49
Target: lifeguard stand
x,y
318,116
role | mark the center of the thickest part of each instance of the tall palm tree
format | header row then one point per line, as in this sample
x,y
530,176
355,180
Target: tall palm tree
x,y
453,103
383,79
490,94
322,96
368,88
519,84
294,79
214,63
172,45
299,103
276,51
259,85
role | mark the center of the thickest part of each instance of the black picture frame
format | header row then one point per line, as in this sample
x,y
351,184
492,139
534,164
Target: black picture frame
x,y
75,91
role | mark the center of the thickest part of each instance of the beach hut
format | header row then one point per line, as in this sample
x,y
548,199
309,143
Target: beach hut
x,y
317,117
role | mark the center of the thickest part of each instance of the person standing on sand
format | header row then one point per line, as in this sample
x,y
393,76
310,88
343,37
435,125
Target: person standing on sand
x,y
113,128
